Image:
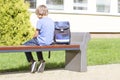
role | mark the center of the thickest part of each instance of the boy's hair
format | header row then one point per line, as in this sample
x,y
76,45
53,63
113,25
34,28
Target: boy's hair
x,y
42,10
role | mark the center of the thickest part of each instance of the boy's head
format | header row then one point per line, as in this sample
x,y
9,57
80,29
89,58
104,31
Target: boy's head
x,y
41,11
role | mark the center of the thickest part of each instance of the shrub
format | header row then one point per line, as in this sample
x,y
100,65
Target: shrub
x,y
15,25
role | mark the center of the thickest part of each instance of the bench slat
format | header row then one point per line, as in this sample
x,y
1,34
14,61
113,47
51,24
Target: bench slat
x,y
38,48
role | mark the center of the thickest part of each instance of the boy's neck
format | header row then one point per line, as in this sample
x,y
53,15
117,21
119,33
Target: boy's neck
x,y
40,17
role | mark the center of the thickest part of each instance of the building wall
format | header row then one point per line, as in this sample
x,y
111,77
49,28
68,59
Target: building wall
x,y
83,15
86,22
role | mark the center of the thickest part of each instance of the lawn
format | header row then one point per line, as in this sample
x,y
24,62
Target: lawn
x,y
100,51
103,51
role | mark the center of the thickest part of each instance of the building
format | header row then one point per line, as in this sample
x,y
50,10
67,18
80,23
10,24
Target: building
x,y
83,15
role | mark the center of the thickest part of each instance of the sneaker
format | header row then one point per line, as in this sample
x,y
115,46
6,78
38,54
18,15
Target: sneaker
x,y
41,67
33,67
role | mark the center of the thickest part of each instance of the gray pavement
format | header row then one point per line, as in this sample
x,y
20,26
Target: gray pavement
x,y
98,72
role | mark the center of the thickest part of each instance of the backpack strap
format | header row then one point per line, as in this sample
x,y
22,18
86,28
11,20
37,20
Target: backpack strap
x,y
49,54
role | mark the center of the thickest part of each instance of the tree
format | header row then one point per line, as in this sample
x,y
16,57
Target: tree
x,y
15,25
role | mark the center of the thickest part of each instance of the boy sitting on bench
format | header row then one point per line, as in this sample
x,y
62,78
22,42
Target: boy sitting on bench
x,y
43,36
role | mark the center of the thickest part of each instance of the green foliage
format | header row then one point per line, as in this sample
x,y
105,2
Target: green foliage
x,y
15,25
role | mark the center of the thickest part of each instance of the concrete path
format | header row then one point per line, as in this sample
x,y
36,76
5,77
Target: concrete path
x,y
99,72
105,35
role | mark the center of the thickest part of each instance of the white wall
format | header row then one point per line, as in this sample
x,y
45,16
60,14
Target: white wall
x,y
86,23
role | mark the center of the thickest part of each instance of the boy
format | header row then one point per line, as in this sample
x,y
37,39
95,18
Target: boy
x,y
43,36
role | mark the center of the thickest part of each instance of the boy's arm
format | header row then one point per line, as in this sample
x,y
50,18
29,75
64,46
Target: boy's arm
x,y
36,33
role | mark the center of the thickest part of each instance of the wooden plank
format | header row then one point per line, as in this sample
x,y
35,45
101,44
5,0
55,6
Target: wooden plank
x,y
38,48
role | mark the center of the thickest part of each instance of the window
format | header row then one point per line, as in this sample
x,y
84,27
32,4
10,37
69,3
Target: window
x,y
55,4
103,5
32,3
80,5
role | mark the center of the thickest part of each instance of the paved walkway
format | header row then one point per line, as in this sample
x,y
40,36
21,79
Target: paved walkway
x,y
105,35
99,72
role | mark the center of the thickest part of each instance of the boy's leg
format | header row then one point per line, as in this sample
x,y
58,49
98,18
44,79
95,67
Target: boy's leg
x,y
29,54
30,43
42,61
29,57
39,55
32,61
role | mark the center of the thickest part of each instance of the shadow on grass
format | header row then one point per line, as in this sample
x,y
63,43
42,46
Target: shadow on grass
x,y
20,68
27,68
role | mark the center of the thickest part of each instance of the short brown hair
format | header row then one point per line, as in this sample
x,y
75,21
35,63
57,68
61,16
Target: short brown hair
x,y
42,10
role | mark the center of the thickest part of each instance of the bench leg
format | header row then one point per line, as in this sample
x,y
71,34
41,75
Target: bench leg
x,y
75,61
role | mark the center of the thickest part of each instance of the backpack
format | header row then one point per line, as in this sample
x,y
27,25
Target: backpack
x,y
62,33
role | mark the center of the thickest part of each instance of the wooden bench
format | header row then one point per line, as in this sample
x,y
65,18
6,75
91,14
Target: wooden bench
x,y
75,59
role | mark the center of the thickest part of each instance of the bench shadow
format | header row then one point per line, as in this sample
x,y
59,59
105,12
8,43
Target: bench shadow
x,y
26,69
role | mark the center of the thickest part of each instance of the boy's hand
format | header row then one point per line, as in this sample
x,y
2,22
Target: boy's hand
x,y
36,33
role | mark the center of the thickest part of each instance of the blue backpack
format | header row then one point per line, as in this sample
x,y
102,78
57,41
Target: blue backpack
x,y
62,33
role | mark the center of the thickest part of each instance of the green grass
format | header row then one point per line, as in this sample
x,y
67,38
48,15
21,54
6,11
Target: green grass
x,y
99,51
17,61
103,51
